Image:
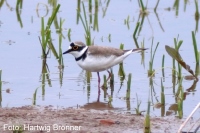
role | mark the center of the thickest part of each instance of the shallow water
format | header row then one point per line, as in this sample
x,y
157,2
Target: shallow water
x,y
21,63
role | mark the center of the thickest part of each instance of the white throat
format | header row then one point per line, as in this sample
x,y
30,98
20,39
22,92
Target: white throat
x,y
77,54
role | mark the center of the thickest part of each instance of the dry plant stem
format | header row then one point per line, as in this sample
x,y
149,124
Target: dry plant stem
x,y
191,114
196,123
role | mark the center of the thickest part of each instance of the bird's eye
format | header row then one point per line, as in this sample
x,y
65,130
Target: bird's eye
x,y
75,48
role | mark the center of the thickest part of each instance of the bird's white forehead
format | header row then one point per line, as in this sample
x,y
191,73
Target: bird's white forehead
x,y
70,47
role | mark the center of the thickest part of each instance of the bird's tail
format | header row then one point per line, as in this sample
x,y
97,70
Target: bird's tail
x,y
139,50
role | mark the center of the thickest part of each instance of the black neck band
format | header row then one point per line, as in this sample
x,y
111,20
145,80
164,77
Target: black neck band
x,y
83,56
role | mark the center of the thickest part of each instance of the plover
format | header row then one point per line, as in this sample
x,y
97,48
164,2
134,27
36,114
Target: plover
x,y
98,58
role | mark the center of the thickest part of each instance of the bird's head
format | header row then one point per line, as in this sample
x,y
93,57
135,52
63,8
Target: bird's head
x,y
76,49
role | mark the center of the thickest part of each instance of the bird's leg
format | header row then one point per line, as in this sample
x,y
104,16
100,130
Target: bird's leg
x,y
98,98
98,83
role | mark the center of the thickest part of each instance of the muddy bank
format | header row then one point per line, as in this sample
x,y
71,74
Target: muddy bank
x,y
47,119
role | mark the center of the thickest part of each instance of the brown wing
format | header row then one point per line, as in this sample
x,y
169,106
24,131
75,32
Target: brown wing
x,y
107,51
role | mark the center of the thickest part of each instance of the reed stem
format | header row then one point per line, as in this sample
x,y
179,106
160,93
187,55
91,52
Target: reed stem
x,y
195,47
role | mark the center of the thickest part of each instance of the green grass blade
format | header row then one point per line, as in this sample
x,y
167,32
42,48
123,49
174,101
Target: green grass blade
x,y
163,65
180,99
142,5
51,46
82,21
162,99
154,53
105,82
128,87
50,21
195,47
78,10
136,29
85,17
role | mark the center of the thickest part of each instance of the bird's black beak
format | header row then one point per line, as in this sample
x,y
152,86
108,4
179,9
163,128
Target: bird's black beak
x,y
68,51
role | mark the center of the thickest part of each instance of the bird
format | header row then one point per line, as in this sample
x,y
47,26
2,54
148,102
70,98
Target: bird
x,y
96,58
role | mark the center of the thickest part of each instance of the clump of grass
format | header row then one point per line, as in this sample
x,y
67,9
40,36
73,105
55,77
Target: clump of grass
x,y
45,42
151,70
46,33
